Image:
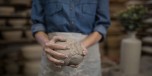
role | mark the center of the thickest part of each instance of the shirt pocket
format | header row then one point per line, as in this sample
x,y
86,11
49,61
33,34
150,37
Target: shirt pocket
x,y
53,8
89,8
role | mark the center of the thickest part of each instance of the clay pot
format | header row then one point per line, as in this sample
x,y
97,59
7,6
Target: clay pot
x,y
6,11
32,52
31,68
18,23
12,35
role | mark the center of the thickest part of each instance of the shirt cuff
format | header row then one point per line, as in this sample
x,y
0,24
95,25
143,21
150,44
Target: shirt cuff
x,y
102,31
37,27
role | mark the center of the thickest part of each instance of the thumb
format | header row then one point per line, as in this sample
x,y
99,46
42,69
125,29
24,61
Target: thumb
x,y
85,51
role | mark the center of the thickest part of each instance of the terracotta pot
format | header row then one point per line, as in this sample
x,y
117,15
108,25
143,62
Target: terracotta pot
x,y
12,35
6,11
32,52
18,23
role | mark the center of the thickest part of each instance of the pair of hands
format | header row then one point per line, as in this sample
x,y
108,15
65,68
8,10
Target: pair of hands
x,y
55,57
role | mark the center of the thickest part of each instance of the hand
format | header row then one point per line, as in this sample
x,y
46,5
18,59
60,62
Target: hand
x,y
85,51
50,48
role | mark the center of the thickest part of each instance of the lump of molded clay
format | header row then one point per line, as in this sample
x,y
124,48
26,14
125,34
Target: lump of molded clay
x,y
74,53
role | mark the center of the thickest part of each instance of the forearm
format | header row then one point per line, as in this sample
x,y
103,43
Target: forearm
x,y
91,39
41,38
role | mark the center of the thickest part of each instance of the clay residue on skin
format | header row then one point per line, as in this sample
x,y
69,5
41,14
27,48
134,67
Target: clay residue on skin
x,y
74,53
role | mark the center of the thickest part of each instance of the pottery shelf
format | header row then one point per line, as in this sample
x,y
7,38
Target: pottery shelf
x,y
18,42
118,1
16,5
13,17
11,28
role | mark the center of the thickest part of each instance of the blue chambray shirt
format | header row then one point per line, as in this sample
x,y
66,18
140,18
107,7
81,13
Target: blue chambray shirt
x,y
81,16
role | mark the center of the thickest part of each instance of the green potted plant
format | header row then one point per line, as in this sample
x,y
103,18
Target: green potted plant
x,y
131,19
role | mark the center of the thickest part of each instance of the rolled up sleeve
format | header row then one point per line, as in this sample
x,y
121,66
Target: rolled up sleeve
x,y
37,16
102,18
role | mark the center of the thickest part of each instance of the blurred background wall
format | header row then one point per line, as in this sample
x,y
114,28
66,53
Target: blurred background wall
x,y
20,53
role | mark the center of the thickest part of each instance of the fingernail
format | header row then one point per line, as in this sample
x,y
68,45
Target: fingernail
x,y
84,52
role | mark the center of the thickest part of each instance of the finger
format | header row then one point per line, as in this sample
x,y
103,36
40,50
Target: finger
x,y
84,52
56,46
55,54
55,61
58,38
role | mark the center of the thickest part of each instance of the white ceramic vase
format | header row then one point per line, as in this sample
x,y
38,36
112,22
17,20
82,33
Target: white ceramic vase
x,y
130,55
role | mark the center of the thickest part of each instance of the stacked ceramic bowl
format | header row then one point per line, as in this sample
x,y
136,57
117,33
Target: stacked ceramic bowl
x,y
17,23
32,55
6,11
13,35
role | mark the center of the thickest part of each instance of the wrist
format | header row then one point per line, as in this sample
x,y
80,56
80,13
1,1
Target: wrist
x,y
84,44
42,38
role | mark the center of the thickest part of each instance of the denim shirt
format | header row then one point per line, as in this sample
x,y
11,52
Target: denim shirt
x,y
81,16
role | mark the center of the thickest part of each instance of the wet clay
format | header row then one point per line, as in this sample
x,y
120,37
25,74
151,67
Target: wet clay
x,y
74,52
